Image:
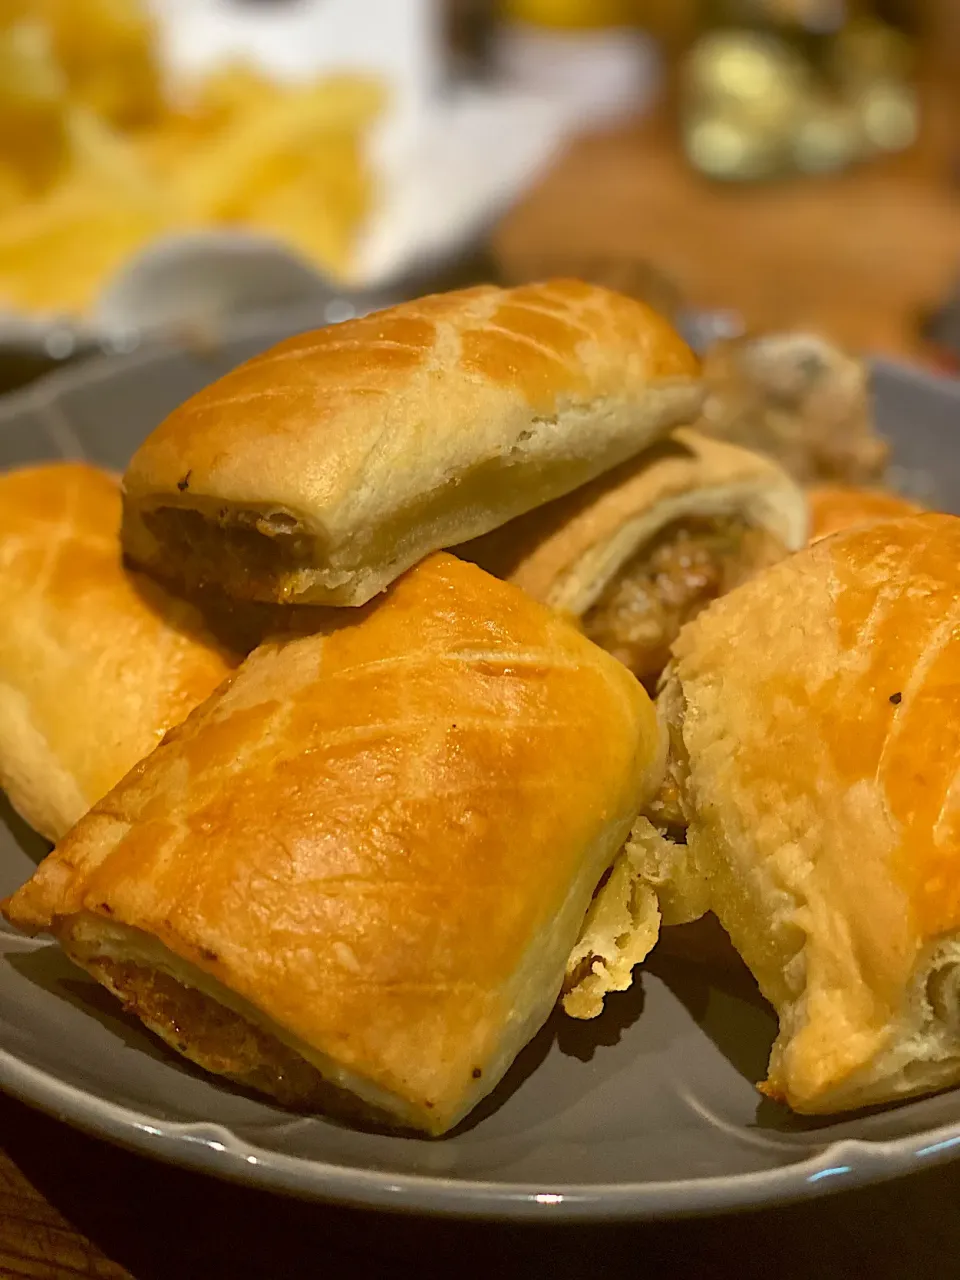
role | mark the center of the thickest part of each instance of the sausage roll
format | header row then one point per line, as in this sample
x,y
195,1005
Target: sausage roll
x,y
352,877
815,711
320,470
95,663
641,550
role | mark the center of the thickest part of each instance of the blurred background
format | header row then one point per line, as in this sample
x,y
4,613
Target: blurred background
x,y
175,170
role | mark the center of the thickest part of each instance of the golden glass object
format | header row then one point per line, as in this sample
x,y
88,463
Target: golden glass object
x,y
774,87
572,14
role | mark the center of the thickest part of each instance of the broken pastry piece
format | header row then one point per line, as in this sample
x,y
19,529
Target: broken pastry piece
x,y
651,884
319,471
352,878
652,887
637,553
817,712
799,399
96,663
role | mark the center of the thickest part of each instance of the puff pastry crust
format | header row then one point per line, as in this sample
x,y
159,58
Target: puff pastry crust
x,y
638,551
818,712
356,872
320,470
95,663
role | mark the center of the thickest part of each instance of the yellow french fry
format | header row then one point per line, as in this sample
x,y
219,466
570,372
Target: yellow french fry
x,y
95,162
107,50
56,253
222,175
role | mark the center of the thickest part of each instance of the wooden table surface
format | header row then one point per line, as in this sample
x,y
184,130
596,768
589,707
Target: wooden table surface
x,y
859,256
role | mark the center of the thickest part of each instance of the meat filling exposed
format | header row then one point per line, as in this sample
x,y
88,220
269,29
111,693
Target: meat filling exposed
x,y
222,1041
244,545
664,586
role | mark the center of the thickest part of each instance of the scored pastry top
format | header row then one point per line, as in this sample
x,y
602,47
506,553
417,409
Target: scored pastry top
x,y
323,468
382,837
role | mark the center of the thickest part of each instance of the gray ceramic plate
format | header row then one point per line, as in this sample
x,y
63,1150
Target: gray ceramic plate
x,y
648,1111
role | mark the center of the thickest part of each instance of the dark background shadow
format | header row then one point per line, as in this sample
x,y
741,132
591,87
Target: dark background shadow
x,y
727,1006
581,1039
575,1039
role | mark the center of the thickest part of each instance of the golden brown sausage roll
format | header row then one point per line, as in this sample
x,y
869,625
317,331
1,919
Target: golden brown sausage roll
x,y
95,663
642,549
817,718
361,866
319,471
836,506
